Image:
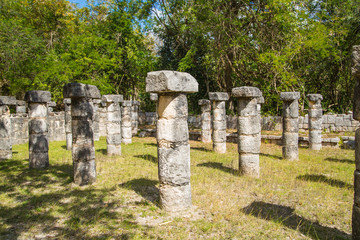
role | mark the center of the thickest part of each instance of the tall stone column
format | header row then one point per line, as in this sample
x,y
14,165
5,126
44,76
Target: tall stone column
x,y
315,121
20,106
67,105
5,127
113,123
249,129
38,128
173,136
219,120
355,70
205,120
135,117
82,115
290,136
96,123
126,133
154,97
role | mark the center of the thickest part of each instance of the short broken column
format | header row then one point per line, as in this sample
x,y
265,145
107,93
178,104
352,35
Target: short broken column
x,y
38,128
20,106
126,133
315,121
96,123
205,120
113,123
82,114
135,117
173,136
219,120
249,129
290,136
355,70
5,127
67,105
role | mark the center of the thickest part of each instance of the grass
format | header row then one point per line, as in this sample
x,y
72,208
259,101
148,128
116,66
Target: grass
x,y
306,199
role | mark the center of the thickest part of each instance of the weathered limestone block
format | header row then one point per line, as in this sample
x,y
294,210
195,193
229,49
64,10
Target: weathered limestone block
x,y
154,97
135,117
113,123
173,136
96,123
51,106
67,105
315,121
5,127
290,136
20,106
355,70
82,115
249,129
219,120
205,120
126,133
38,128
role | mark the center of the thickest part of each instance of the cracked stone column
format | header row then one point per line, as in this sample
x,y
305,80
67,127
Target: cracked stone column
x,y
249,129
355,70
135,117
126,132
82,115
20,106
205,120
113,123
290,136
5,127
219,120
38,128
315,121
96,123
67,105
173,136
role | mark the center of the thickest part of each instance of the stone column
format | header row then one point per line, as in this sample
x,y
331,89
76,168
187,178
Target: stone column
x,y
355,70
219,120
154,97
249,129
67,105
51,106
113,123
38,128
126,133
315,121
135,117
260,101
290,136
5,127
82,115
20,106
96,123
205,120
173,136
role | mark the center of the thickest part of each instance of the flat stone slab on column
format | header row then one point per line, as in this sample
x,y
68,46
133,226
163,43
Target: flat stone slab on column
x,y
38,96
314,97
218,96
289,96
8,100
173,136
73,90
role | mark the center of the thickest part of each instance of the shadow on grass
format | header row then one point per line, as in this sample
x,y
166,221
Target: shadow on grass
x,y
148,157
324,179
201,149
150,144
44,201
349,161
220,166
64,147
271,156
287,217
102,151
144,187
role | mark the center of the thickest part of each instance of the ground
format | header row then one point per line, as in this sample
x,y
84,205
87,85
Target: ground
x,y
306,199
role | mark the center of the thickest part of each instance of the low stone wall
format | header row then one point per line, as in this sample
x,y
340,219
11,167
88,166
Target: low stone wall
x,y
330,122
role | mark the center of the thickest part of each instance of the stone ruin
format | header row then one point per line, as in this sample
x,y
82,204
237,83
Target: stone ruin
x,y
5,127
20,106
126,127
135,117
67,106
82,115
205,120
315,121
173,136
219,120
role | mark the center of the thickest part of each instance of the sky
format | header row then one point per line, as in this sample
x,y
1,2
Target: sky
x,y
80,3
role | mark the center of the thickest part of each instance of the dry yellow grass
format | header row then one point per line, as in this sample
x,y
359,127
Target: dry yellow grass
x,y
306,199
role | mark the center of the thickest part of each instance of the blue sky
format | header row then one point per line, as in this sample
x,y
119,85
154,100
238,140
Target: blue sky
x,y
80,3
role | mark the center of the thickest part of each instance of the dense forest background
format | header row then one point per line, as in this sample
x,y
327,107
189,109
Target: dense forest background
x,y
275,45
